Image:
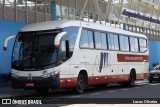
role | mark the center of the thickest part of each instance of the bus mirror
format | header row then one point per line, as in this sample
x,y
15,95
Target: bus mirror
x,y
58,38
6,41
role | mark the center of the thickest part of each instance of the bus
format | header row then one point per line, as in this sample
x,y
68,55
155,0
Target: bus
x,y
76,54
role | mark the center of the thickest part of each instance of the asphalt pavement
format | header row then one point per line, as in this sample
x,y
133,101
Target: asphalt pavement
x,y
142,93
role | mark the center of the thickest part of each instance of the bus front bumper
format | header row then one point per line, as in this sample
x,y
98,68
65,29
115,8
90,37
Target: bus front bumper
x,y
35,82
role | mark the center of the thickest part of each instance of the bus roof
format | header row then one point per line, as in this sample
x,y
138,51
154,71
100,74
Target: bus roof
x,y
48,25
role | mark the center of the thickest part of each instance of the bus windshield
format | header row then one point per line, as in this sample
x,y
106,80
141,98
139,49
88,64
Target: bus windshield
x,y
35,50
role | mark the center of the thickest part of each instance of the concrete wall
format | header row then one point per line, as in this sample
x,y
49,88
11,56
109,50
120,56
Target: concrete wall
x,y
154,53
7,28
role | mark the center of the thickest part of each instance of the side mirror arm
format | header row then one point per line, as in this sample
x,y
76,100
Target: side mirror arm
x,y
58,38
6,41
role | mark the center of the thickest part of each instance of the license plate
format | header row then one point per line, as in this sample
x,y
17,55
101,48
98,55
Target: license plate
x,y
29,84
155,77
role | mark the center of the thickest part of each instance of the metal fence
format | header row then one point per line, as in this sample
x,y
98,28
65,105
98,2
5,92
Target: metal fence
x,y
25,11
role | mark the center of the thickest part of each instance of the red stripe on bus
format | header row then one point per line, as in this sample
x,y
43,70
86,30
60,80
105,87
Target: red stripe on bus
x,y
68,82
107,79
132,58
95,80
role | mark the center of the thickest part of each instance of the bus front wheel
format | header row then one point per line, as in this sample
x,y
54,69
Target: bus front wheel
x,y
80,84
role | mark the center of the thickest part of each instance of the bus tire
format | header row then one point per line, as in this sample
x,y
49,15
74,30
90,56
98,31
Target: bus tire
x,y
42,90
132,79
80,84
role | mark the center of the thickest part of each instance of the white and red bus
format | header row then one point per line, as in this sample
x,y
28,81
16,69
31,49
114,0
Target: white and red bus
x,y
75,54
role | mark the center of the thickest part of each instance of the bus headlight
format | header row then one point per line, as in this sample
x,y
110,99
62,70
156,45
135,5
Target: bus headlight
x,y
50,74
14,76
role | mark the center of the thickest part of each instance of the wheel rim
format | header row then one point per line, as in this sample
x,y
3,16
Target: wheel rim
x,y
80,85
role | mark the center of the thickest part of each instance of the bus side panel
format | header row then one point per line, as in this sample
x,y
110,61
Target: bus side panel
x,y
82,61
137,61
66,79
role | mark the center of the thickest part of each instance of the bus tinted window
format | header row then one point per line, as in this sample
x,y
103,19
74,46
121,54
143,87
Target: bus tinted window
x,y
134,44
71,36
86,40
124,43
113,41
90,37
116,44
104,42
143,45
98,43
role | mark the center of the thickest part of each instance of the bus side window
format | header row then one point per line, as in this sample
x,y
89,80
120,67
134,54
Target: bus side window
x,y
90,37
86,40
124,43
104,40
143,45
134,44
98,42
113,41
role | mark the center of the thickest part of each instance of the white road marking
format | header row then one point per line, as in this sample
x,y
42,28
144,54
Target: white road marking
x,y
110,91
95,93
75,96
154,84
125,89
137,87
142,83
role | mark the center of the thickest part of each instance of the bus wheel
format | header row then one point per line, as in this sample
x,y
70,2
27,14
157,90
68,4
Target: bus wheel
x,y
80,84
132,79
42,90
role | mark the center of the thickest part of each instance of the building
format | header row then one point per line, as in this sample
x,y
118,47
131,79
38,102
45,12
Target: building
x,y
141,16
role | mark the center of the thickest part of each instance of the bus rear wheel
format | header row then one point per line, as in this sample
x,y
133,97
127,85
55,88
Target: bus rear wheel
x,y
80,84
132,79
